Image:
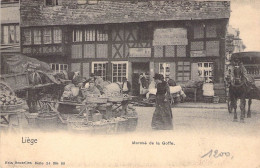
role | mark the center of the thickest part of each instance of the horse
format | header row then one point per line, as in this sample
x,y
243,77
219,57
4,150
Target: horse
x,y
239,89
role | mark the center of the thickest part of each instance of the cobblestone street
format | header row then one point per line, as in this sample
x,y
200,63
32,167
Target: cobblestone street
x,y
210,118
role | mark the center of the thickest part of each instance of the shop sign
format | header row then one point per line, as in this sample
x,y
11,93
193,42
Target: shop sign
x,y
201,53
170,36
140,52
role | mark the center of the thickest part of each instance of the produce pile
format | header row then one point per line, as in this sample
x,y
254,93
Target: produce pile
x,y
8,100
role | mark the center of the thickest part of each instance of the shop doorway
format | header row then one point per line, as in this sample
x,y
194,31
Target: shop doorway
x,y
137,69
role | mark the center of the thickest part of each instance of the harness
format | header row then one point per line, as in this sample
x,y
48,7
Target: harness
x,y
243,82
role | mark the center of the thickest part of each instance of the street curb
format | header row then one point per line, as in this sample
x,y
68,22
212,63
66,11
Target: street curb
x,y
204,106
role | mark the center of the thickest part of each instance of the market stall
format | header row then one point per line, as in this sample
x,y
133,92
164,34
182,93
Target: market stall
x,y
79,110
10,106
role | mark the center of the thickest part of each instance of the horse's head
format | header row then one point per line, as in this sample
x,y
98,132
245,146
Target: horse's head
x,y
238,75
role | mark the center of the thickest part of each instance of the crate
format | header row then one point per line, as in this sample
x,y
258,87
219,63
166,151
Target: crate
x,y
31,119
115,97
215,99
208,99
94,98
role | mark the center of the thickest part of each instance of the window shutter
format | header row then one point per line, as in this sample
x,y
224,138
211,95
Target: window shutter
x,y
156,67
86,70
173,70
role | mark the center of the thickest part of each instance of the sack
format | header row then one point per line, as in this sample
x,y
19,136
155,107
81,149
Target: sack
x,y
175,89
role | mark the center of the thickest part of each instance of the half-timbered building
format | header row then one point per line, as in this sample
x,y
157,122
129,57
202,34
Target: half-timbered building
x,y
183,40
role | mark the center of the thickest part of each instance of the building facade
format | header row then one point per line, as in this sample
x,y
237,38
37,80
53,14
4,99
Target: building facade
x,y
10,28
183,40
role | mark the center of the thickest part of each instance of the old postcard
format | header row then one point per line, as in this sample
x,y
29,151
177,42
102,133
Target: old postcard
x,y
130,83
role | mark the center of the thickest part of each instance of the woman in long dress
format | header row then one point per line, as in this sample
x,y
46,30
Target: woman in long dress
x,y
162,116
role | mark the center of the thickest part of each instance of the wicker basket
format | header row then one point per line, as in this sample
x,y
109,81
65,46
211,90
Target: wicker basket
x,y
131,123
112,128
11,108
121,126
47,120
81,128
101,128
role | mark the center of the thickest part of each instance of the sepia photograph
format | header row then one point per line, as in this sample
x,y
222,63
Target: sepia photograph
x,y
130,83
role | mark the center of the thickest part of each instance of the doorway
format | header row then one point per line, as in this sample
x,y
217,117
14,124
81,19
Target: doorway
x,y
137,69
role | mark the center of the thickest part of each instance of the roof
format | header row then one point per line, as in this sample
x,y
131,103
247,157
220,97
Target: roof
x,y
34,13
250,54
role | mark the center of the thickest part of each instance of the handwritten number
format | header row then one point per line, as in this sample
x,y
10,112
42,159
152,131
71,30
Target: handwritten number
x,y
209,153
216,154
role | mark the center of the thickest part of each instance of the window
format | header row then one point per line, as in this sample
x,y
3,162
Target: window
x,y
59,67
183,71
17,33
27,36
102,35
119,71
199,31
37,36
77,35
9,1
53,2
205,70
10,34
100,68
164,69
90,35
57,35
47,36
211,30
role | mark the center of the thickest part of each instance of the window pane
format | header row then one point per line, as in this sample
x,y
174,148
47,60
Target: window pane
x,y
17,34
90,35
100,68
77,35
11,34
27,36
47,36
5,35
37,36
102,35
57,35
